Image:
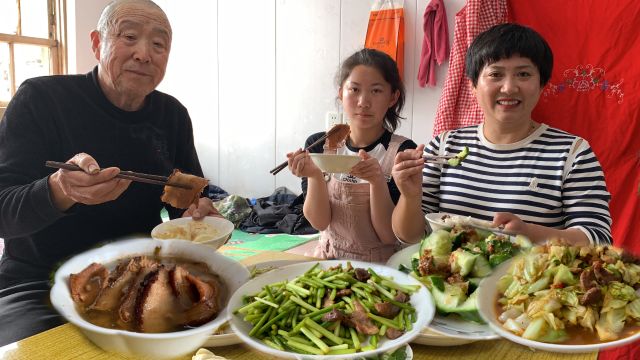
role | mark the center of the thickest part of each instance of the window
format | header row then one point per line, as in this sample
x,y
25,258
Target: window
x,y
31,42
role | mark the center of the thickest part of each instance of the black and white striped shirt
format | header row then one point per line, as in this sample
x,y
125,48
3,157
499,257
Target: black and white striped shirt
x,y
550,178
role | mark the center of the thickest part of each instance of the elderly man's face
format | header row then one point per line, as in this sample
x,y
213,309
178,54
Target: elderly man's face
x,y
133,56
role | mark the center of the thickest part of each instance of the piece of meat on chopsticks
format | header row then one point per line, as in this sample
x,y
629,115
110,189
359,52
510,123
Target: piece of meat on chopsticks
x,y
182,198
337,136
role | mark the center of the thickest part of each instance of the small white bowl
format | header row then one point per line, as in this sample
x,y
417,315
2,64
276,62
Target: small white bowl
x,y
435,221
331,163
161,345
420,300
487,298
222,226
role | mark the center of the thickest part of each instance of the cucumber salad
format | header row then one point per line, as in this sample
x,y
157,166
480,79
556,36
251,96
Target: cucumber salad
x,y
451,263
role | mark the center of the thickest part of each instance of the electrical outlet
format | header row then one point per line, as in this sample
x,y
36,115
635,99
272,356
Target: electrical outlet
x,y
332,118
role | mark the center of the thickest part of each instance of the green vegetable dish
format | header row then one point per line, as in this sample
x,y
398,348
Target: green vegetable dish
x,y
340,310
451,263
571,295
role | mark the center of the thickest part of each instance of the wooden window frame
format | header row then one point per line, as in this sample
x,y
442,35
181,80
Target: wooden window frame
x,y
57,41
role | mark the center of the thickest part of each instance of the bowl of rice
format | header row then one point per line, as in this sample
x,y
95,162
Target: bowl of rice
x,y
212,231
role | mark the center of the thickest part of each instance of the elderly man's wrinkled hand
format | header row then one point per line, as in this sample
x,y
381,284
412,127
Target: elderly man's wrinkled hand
x,y
203,208
407,171
91,186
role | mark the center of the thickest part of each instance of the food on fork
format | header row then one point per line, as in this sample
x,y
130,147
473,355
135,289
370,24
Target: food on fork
x,y
459,157
337,136
182,198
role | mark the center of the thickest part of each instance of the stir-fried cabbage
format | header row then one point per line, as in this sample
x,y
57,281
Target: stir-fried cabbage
x,y
556,286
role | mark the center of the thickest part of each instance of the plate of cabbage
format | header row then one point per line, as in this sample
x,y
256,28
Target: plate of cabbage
x,y
565,298
452,262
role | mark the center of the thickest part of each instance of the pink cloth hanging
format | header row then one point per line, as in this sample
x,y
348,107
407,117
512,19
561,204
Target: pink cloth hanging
x,y
458,107
435,44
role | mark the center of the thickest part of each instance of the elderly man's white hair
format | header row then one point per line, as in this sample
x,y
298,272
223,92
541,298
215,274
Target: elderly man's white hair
x,y
107,21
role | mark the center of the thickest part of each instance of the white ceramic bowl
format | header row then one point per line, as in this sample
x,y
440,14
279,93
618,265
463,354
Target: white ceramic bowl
x,y
162,345
223,229
421,301
435,222
331,163
486,306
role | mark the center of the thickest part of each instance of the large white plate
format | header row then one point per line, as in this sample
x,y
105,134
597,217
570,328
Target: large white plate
x,y
225,339
228,337
421,301
486,305
452,327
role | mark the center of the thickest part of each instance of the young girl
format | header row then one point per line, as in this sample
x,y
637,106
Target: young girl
x,y
353,211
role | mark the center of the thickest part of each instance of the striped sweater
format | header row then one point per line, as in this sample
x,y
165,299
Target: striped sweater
x,y
550,178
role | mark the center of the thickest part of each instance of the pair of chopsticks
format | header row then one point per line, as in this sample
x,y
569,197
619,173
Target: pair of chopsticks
x,y
127,175
279,168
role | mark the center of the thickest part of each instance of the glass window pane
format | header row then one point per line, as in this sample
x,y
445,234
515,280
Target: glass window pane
x,y
34,21
5,77
8,16
30,61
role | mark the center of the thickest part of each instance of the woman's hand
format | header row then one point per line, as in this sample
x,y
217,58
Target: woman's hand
x,y
407,171
91,186
539,234
203,208
368,169
510,223
301,165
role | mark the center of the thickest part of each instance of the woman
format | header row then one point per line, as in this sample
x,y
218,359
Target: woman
x,y
353,211
530,178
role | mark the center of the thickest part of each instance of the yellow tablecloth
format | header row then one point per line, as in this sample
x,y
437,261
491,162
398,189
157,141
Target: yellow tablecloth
x,y
66,342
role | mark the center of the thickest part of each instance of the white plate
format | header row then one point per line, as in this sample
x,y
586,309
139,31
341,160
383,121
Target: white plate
x,y
449,326
428,337
229,337
272,265
436,222
486,305
223,228
421,301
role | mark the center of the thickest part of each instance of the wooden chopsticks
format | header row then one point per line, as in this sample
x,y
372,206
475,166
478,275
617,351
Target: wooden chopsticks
x,y
279,168
127,175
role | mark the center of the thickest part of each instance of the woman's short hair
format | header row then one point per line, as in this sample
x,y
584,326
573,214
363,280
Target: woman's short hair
x,y
389,70
504,41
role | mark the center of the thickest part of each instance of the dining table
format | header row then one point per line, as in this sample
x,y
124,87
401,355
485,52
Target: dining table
x,y
67,342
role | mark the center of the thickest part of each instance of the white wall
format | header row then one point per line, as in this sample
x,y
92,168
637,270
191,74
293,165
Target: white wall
x,y
82,17
257,76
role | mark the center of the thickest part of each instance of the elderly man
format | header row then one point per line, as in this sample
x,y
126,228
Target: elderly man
x,y
114,114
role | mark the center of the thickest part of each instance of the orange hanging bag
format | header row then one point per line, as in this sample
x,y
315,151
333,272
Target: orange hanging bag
x,y
385,31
